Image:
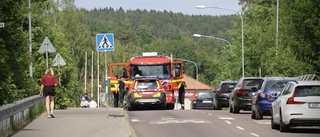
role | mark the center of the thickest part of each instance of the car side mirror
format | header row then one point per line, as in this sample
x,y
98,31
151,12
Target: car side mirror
x,y
275,94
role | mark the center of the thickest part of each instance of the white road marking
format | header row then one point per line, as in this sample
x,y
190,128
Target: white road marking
x,y
228,122
180,121
254,134
240,128
228,118
268,122
135,120
198,121
167,118
209,114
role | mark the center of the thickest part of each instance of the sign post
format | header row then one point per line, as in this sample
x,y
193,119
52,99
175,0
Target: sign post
x,y
105,42
46,47
58,61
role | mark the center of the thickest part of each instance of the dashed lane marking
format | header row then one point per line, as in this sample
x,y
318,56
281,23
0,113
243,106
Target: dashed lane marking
x,y
254,134
180,121
228,122
135,120
240,128
226,118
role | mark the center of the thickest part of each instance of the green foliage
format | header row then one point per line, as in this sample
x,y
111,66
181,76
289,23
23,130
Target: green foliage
x,y
72,32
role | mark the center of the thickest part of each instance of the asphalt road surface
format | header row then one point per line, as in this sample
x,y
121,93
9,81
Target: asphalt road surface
x,y
206,123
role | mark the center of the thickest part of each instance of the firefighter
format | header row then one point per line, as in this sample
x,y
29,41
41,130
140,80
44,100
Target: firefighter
x,y
181,94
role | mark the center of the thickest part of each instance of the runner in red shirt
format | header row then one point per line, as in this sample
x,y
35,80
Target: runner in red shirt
x,y
48,82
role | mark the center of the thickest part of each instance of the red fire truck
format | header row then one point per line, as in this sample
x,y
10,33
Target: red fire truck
x,y
150,64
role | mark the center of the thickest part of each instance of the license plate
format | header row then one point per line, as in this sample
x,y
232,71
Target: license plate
x,y
314,105
148,93
147,100
207,101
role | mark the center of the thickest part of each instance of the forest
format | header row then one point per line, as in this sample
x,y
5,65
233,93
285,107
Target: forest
x,y
293,51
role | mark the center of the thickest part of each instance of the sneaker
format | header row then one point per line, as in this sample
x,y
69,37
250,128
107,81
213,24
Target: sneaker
x,y
52,115
48,116
182,108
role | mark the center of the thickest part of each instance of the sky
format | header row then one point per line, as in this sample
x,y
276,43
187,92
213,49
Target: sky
x,y
187,7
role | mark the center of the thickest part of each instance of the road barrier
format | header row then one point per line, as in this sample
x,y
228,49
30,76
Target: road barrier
x,y
20,112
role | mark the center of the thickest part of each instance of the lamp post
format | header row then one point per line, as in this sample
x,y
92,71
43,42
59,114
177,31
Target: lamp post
x,y
30,39
221,39
197,83
277,27
240,14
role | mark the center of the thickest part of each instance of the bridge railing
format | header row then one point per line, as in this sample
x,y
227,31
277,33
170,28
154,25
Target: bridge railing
x,y
307,77
17,113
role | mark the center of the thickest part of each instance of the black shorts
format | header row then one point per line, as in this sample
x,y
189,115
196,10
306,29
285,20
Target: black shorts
x,y
48,90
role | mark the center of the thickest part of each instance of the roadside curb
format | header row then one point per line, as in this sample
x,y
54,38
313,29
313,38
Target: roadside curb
x,y
129,127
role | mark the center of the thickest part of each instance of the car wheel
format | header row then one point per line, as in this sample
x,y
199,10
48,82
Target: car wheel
x,y
273,125
235,109
253,115
163,107
170,106
216,106
130,108
283,127
258,115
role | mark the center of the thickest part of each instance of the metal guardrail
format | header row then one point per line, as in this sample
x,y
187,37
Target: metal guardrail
x,y
13,113
307,77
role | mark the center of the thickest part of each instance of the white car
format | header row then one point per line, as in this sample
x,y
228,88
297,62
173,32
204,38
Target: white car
x,y
298,104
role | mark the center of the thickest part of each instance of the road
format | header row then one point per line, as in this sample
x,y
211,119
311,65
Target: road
x,y
206,123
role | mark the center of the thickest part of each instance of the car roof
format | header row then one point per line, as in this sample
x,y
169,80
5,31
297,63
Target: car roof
x,y
305,83
279,78
228,81
252,78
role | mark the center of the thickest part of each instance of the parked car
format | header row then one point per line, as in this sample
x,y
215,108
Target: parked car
x,y
262,100
146,91
202,99
241,95
298,104
221,94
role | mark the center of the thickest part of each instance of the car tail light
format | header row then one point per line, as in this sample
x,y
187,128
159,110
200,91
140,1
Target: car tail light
x,y
241,91
291,101
194,100
262,95
222,91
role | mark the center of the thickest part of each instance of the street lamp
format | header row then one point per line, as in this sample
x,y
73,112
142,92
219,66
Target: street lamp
x,y
221,39
30,39
240,14
196,70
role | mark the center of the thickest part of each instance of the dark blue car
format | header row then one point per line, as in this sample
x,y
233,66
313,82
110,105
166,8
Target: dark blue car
x,y
262,100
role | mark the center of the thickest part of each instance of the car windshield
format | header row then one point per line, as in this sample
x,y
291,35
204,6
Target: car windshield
x,y
161,71
303,91
227,86
205,95
276,85
250,83
146,84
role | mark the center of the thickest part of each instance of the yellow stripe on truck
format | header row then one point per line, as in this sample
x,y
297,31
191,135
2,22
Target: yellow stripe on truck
x,y
157,95
136,95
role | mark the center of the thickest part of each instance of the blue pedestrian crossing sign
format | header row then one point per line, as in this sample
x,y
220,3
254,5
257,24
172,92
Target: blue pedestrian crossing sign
x,y
105,42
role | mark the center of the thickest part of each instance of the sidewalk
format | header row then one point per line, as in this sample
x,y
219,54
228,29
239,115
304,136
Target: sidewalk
x,y
79,122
